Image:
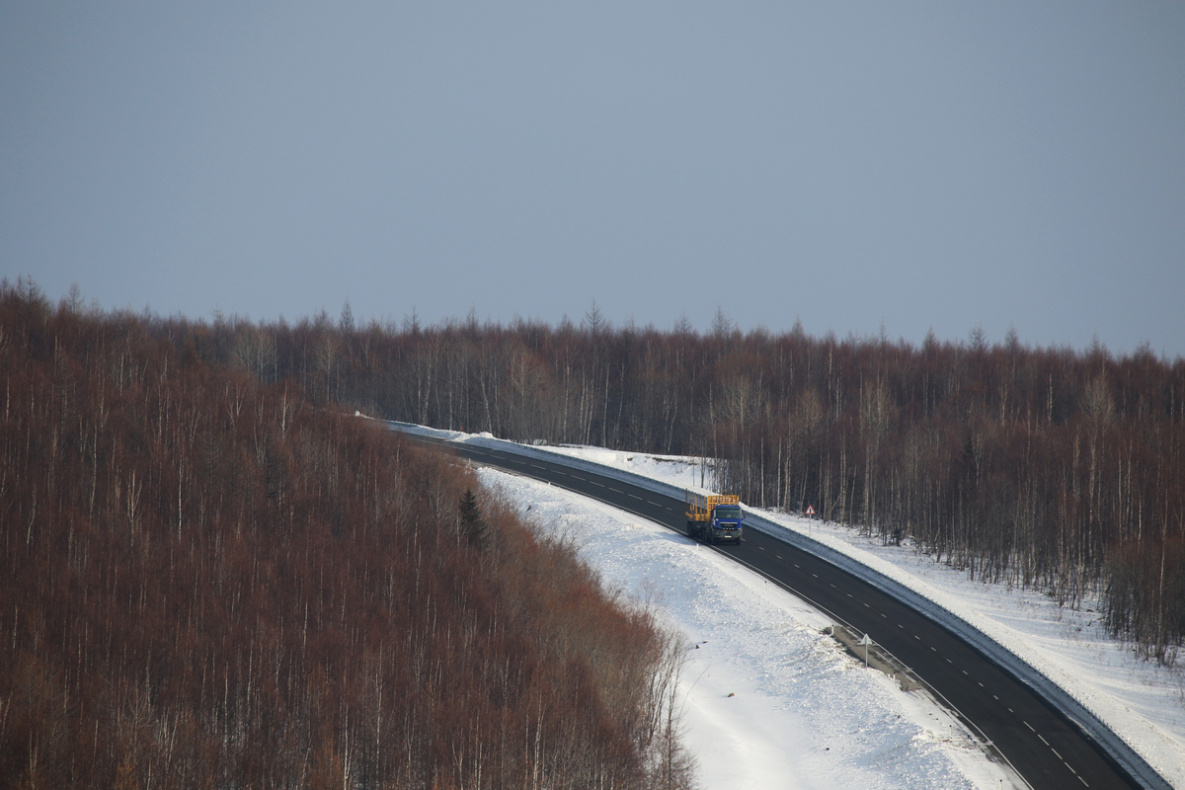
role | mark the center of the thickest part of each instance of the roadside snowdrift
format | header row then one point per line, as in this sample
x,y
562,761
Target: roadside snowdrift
x,y
1143,703
769,700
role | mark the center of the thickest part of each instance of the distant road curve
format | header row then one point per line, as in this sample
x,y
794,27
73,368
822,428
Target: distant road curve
x,y
1024,720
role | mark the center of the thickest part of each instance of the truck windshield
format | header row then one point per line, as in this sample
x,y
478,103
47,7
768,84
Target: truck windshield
x,y
729,513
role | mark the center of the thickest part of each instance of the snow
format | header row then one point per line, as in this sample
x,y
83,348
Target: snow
x,y
768,700
1143,702
773,702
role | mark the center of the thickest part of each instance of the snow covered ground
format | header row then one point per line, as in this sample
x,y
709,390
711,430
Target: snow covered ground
x,y
769,700
1143,702
772,702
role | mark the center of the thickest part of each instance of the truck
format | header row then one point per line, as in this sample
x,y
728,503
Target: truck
x,y
713,518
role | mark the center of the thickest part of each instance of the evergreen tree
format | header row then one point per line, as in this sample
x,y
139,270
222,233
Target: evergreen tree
x,y
473,526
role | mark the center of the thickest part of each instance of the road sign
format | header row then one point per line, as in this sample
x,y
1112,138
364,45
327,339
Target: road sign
x,y
810,510
866,642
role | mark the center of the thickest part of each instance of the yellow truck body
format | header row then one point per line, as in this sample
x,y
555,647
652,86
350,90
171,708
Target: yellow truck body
x,y
699,506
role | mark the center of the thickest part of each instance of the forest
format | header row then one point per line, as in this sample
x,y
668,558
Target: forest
x,y
213,578
1043,468
213,575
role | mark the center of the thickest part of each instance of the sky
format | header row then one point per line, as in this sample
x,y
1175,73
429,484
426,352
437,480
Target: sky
x,y
863,168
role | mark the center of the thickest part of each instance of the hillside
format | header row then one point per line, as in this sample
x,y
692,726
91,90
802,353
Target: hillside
x,y
209,581
1041,468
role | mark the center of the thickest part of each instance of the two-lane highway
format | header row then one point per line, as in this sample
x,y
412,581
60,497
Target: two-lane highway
x,y
1041,744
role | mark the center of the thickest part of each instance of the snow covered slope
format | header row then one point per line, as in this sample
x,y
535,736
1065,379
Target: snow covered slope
x,y
770,701
1141,701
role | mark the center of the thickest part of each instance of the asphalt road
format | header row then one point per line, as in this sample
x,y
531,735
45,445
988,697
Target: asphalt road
x,y
1044,747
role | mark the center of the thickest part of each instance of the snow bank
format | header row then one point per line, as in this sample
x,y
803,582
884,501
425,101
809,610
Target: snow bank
x,y
1062,651
1066,650
768,700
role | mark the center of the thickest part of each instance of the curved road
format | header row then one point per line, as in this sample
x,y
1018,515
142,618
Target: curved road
x,y
1042,745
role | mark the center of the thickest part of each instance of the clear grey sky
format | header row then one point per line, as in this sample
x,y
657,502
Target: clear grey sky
x,y
855,165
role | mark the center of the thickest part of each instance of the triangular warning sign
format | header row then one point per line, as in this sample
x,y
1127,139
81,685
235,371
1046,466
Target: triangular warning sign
x,y
810,511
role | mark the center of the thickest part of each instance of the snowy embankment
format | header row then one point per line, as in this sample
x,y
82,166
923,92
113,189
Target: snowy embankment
x,y
1142,702
768,700
799,701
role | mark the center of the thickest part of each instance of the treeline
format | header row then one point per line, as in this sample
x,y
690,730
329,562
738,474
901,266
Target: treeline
x,y
1039,467
209,581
